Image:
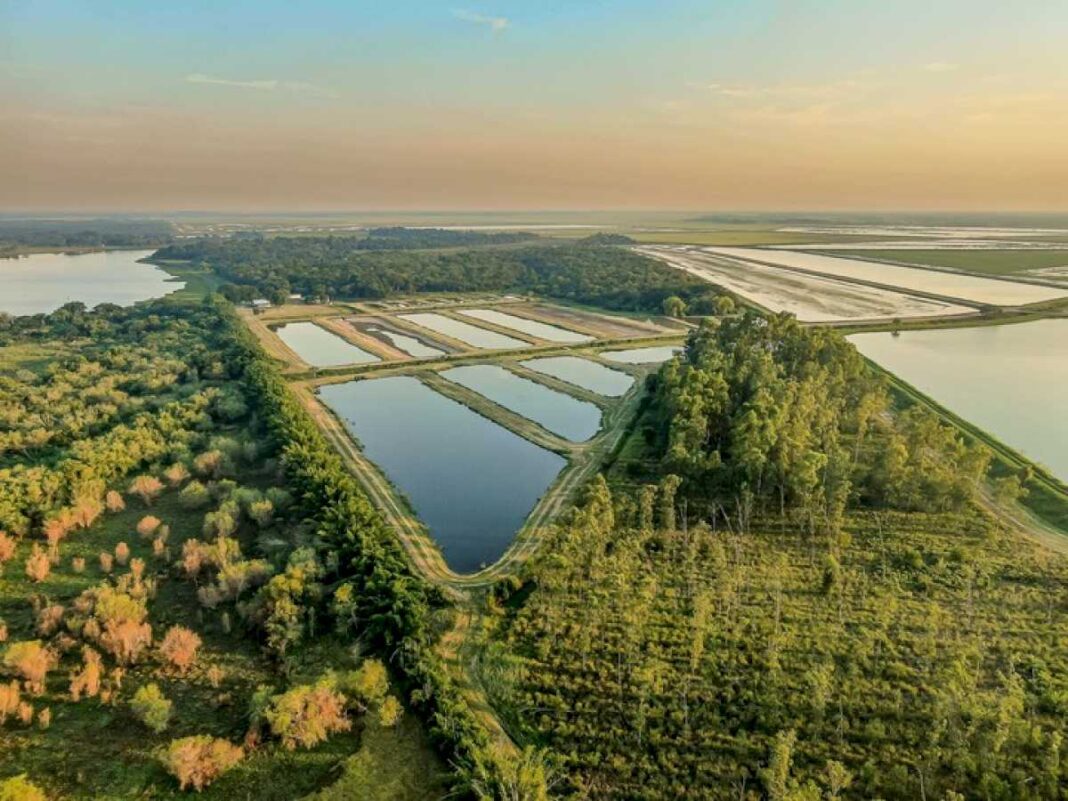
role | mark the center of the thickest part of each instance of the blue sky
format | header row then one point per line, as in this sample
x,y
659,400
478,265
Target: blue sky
x,y
594,95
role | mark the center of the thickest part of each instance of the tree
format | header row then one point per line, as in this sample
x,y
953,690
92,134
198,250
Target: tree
x,y
146,488
307,714
38,565
147,525
390,711
87,681
838,779
31,660
198,761
151,707
19,788
776,776
674,306
724,305
179,648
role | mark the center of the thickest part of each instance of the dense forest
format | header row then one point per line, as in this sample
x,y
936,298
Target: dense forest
x,y
193,585
802,601
115,233
341,267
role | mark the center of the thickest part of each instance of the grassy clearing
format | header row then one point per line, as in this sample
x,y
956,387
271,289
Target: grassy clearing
x,y
199,282
988,262
33,356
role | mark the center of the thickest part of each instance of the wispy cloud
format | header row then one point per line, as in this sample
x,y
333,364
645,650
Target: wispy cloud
x,y
495,24
268,85
939,66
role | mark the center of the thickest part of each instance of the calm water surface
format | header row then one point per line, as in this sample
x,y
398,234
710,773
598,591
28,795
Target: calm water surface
x,y
471,334
584,373
545,331
320,348
409,344
43,282
1010,380
563,415
471,481
954,285
651,355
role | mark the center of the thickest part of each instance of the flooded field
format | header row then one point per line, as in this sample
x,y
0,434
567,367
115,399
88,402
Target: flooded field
x,y
554,411
472,482
953,285
42,282
320,348
1009,380
584,373
413,346
811,298
651,355
470,334
544,331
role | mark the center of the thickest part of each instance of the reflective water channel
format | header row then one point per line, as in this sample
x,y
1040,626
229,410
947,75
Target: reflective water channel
x,y
583,373
320,348
472,482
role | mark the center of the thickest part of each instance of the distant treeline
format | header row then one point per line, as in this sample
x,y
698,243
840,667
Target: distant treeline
x,y
337,267
84,233
398,238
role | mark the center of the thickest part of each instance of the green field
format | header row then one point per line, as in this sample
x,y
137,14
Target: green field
x,y
989,262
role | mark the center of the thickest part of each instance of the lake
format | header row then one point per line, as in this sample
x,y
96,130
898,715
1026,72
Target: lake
x,y
470,334
652,355
409,344
554,411
42,282
1009,380
472,482
584,373
320,348
540,330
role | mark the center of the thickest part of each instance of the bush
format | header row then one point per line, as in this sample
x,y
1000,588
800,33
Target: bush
x,y
32,661
179,648
19,788
113,500
198,761
38,565
147,525
87,681
146,488
194,496
7,547
307,714
151,707
10,698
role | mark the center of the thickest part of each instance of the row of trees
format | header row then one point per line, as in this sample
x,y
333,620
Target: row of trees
x,y
601,275
762,413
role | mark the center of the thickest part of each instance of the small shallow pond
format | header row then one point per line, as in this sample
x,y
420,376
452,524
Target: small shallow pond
x,y
554,411
471,334
42,282
1009,380
544,331
651,355
472,482
411,345
584,373
320,348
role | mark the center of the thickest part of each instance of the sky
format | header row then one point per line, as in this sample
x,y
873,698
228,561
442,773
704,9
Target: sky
x,y
674,104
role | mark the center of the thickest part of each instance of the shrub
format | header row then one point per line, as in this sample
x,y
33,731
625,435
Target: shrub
x,y
77,564
209,464
369,684
147,525
48,619
121,628
146,488
122,553
262,512
307,714
151,707
198,761
194,496
19,788
38,565
215,676
137,569
87,681
10,698
44,718
107,562
179,648
7,547
32,661
114,501
390,711
176,474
